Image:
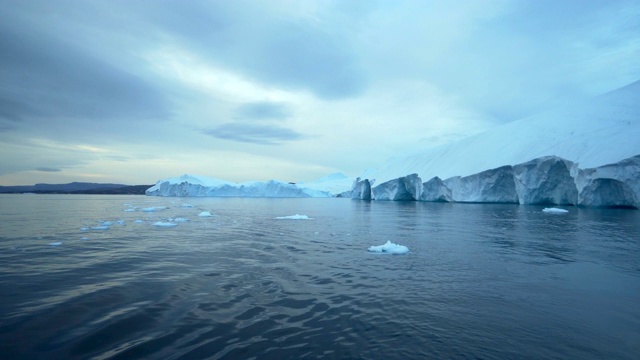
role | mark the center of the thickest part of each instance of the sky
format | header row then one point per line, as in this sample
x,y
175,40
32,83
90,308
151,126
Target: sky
x,y
136,91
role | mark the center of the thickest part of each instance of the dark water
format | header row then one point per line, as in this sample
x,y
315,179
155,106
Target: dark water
x,y
480,282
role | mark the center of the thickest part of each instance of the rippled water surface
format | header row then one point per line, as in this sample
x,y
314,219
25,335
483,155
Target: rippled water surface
x,y
479,282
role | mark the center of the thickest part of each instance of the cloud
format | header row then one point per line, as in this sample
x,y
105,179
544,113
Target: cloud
x,y
46,77
263,110
48,169
257,134
266,44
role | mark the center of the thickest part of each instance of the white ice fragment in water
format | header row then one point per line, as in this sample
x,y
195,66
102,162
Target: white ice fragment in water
x,y
57,243
138,221
180,219
555,210
121,222
84,228
205,213
107,223
187,205
129,210
103,227
153,209
389,248
294,217
84,238
164,224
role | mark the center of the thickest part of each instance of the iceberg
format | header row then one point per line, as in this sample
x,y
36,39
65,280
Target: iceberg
x,y
549,180
294,217
192,185
555,210
205,214
164,224
389,248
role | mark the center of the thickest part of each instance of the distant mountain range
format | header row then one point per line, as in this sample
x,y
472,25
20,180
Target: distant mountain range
x,y
77,188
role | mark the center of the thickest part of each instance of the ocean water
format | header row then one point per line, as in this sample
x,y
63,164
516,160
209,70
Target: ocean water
x,y
479,282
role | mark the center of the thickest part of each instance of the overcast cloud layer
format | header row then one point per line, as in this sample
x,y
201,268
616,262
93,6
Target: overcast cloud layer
x,y
135,91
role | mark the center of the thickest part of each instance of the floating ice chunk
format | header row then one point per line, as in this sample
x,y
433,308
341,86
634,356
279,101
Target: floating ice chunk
x,y
107,223
84,238
389,248
103,227
180,219
555,210
187,205
57,243
129,210
205,213
153,209
164,224
294,217
84,228
138,221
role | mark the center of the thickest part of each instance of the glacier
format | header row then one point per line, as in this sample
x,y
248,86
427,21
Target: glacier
x,y
194,185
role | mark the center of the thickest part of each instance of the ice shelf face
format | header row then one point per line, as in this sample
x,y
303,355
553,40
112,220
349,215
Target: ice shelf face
x,y
547,180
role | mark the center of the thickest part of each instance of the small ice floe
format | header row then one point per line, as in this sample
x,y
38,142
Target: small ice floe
x,y
294,217
120,222
153,209
84,229
389,248
101,227
129,210
555,210
107,223
138,221
164,224
179,219
205,213
57,243
84,238
187,205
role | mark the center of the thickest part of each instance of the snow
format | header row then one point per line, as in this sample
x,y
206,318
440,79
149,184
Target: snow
x,y
189,185
164,224
555,210
294,217
389,248
581,132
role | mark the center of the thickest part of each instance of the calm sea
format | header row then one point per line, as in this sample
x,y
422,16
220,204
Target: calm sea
x,y
479,282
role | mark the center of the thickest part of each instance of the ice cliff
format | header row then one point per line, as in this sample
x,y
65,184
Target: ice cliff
x,y
549,180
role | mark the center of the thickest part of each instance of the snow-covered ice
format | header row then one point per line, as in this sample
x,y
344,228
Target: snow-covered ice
x,y
164,224
294,217
389,248
555,210
205,214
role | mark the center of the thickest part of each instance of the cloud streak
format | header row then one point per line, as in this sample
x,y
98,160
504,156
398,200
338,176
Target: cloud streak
x,y
252,133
